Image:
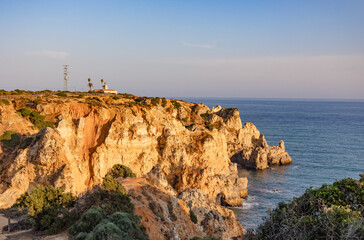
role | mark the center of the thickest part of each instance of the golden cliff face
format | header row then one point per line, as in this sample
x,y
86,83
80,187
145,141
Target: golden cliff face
x,y
175,144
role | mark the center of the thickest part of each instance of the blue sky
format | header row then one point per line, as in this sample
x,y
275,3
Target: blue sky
x,y
272,49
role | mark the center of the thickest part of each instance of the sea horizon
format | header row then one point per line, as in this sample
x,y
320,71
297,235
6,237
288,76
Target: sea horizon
x,y
278,99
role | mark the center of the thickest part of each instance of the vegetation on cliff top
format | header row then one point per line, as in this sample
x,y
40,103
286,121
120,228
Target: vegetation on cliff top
x,y
330,212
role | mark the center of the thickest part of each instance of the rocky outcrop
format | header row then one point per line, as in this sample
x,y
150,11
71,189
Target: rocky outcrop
x,y
175,144
256,153
212,219
167,217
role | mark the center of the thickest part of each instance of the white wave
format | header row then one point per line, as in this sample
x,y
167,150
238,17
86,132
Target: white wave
x,y
249,205
274,191
251,198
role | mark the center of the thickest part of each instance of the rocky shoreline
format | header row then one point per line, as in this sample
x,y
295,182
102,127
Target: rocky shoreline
x,y
185,156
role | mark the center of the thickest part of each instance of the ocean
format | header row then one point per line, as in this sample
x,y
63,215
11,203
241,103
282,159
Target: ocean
x,y
325,139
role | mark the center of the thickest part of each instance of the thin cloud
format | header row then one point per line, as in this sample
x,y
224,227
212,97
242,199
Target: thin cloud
x,y
206,46
49,54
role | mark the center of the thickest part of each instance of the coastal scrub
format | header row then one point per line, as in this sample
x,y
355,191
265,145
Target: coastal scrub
x,y
333,211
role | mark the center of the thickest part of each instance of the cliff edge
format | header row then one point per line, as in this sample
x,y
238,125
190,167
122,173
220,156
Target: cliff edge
x,y
176,145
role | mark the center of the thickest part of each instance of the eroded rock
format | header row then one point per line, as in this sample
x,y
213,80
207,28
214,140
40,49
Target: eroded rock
x,y
177,146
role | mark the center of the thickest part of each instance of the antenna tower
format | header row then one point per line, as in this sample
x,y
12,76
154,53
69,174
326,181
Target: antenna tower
x,y
66,77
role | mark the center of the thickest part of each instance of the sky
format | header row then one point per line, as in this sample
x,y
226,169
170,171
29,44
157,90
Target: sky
x,y
190,48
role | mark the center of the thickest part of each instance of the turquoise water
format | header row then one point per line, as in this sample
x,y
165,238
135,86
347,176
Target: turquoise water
x,y
324,138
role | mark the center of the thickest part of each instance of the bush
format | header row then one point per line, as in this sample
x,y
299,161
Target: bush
x,y
111,184
95,224
330,212
88,221
184,119
176,104
155,101
47,206
6,102
204,115
38,120
122,171
164,102
209,126
62,94
46,91
114,194
10,139
115,217
25,112
115,97
26,142
193,217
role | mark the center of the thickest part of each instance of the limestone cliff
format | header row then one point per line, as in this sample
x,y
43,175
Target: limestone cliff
x,y
169,217
177,145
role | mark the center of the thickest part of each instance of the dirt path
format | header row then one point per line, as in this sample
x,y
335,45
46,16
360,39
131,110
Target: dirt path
x,y
21,235
26,234
3,222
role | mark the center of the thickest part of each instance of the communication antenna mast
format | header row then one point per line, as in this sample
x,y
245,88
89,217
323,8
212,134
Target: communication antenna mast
x,y
66,77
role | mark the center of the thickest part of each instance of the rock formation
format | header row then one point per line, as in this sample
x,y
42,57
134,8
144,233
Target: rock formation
x,y
168,217
176,145
256,153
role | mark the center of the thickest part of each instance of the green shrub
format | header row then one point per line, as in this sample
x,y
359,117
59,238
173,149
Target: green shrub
x,y
10,139
38,120
204,115
164,102
115,196
112,184
115,219
128,96
184,119
6,102
193,216
176,104
37,101
62,94
113,201
25,112
155,101
95,224
209,126
48,207
122,171
108,230
115,97
88,221
46,91
128,224
26,142
330,212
